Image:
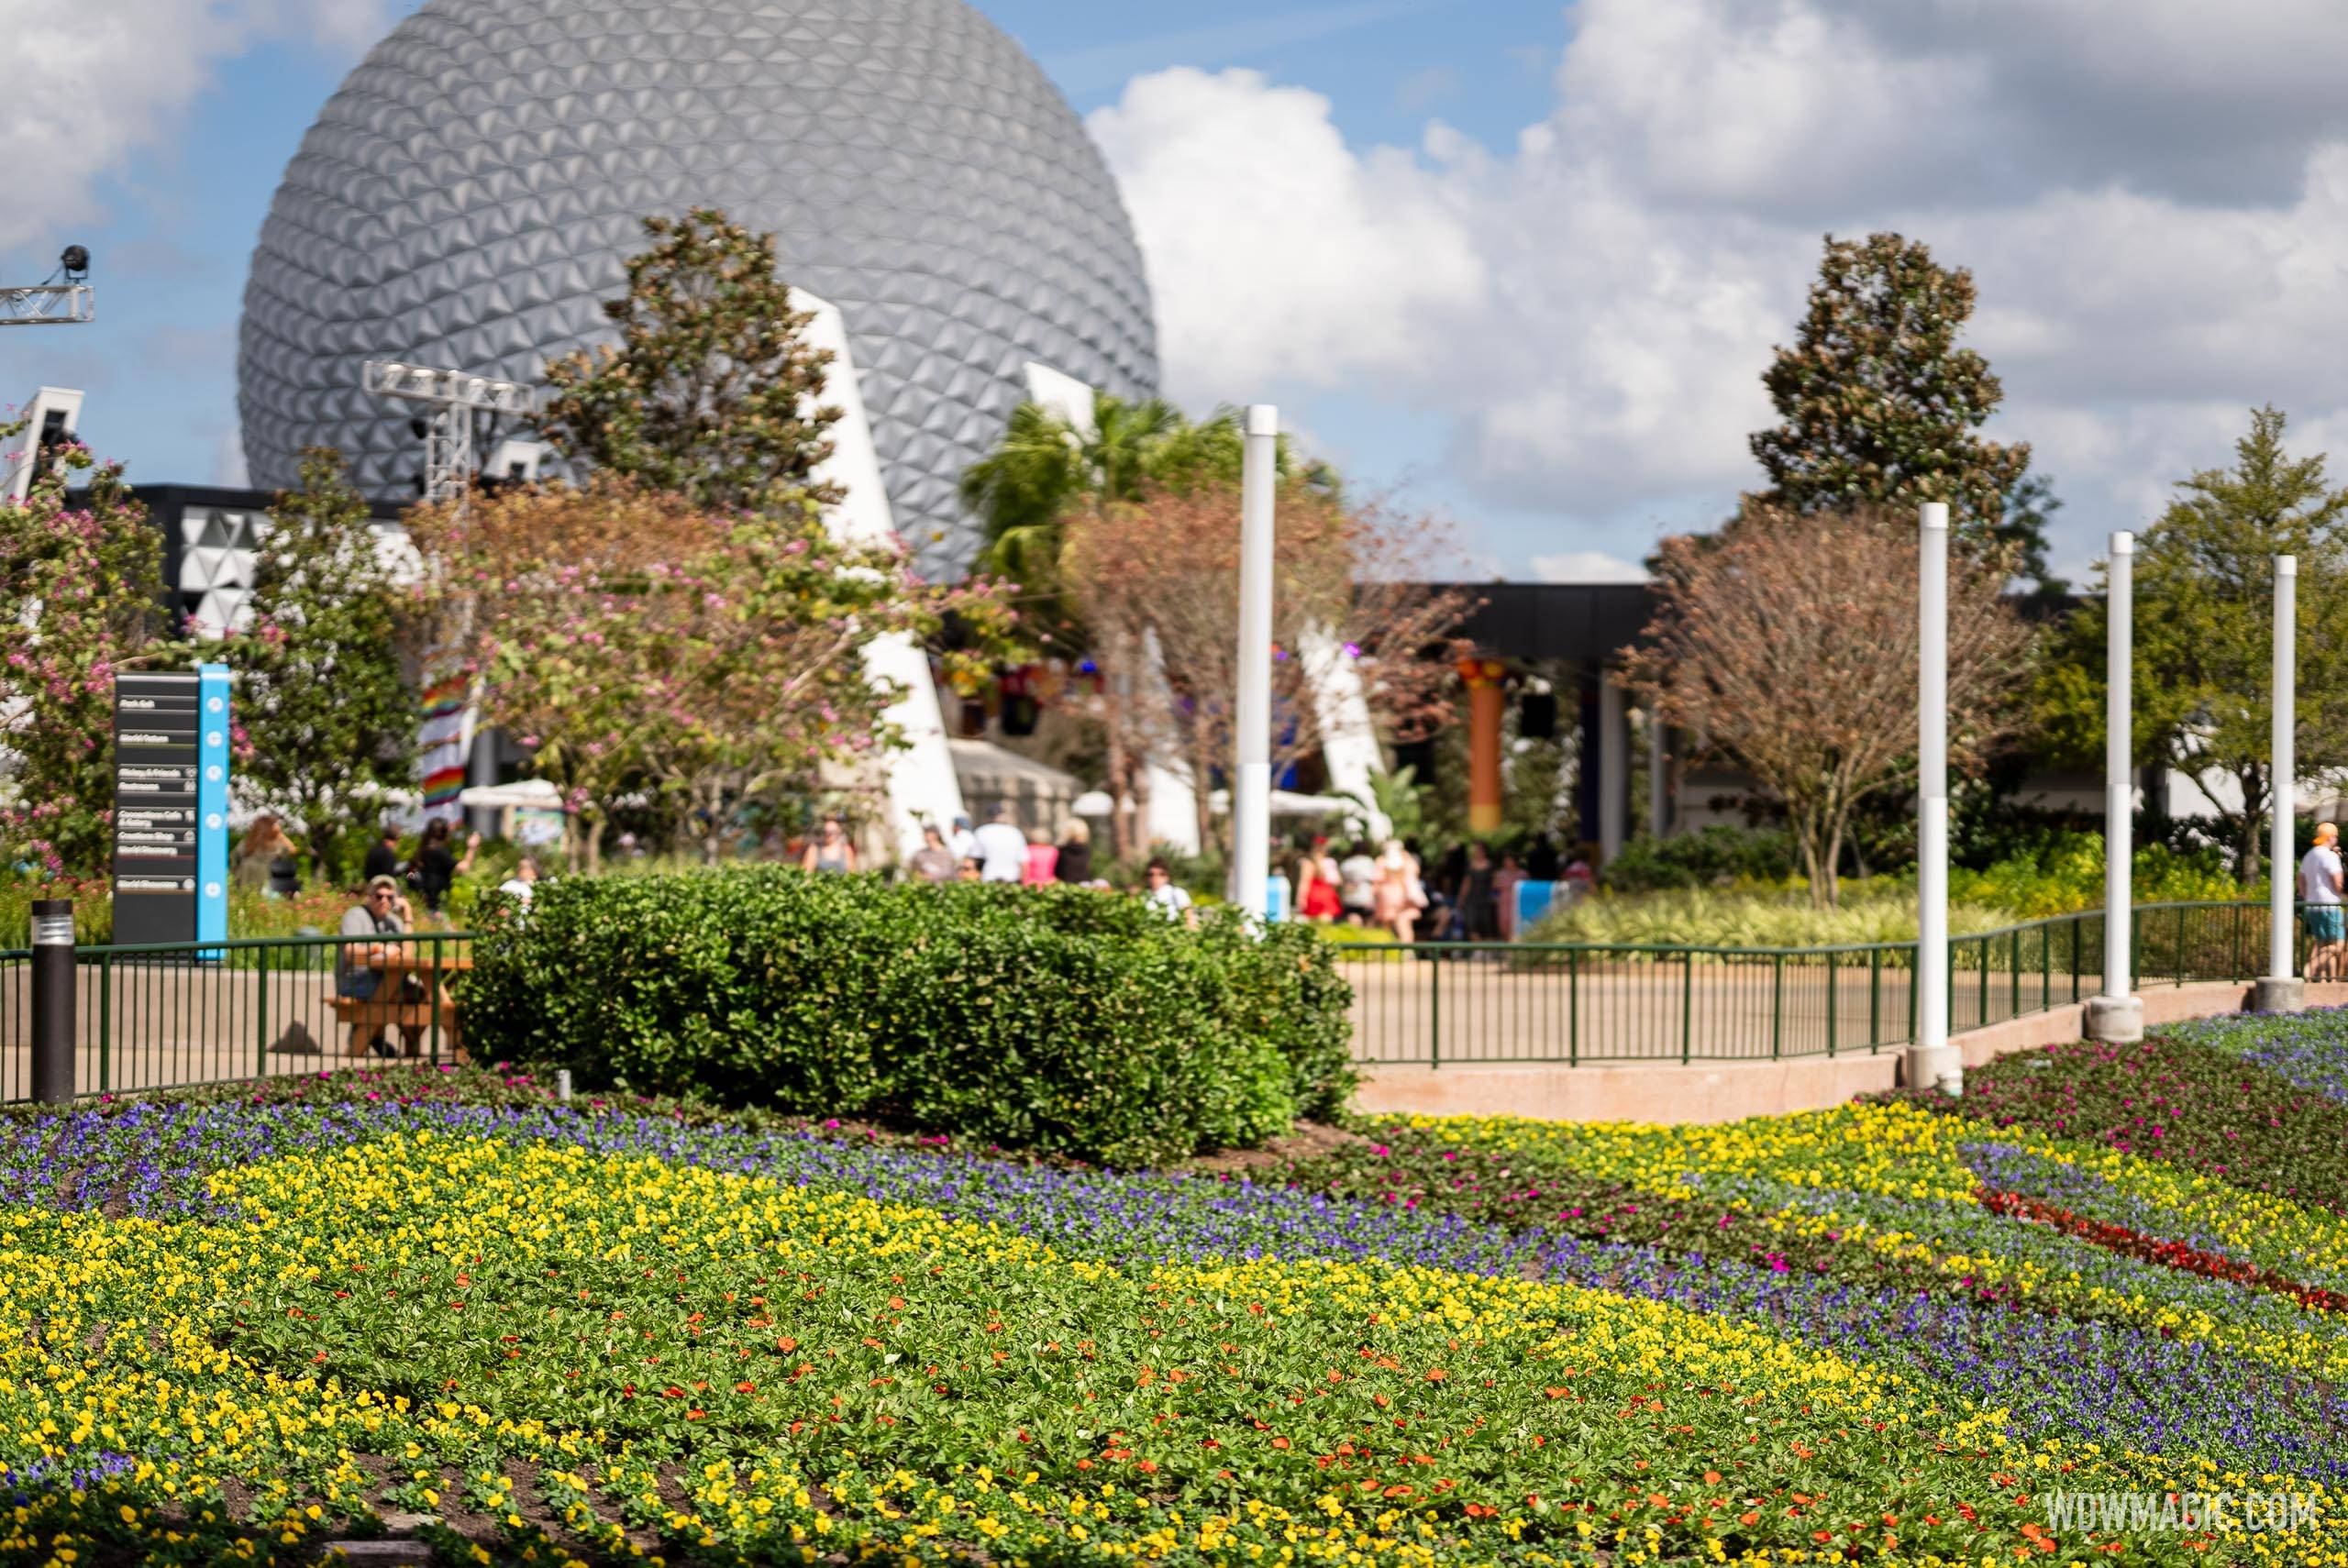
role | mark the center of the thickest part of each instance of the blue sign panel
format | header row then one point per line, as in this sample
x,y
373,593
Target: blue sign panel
x,y
212,804
1532,901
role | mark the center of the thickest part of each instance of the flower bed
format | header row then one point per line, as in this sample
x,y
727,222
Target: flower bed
x,y
237,1324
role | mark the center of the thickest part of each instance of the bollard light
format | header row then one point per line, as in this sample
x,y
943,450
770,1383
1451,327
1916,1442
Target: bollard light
x,y
52,967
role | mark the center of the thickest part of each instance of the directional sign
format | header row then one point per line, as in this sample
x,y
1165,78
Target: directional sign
x,y
170,815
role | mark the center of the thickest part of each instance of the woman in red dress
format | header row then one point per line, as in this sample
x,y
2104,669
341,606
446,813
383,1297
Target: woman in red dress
x,y
1316,884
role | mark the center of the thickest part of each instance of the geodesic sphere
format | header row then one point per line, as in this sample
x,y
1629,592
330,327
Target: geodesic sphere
x,y
469,198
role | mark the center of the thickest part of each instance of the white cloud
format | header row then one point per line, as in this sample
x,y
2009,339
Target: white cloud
x,y
1585,316
228,470
1273,249
1587,566
91,85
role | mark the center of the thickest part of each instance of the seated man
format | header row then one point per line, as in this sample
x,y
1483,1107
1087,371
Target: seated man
x,y
382,910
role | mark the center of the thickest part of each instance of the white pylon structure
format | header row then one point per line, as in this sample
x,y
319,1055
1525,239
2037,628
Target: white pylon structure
x,y
2117,1014
1931,1060
2281,990
1251,795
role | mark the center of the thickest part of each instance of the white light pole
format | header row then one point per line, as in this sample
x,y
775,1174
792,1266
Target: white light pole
x,y
1932,1059
2281,991
2117,1013
1251,794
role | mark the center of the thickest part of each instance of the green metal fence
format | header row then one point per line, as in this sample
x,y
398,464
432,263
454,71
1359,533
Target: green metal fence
x,y
172,1014
158,1016
1573,1002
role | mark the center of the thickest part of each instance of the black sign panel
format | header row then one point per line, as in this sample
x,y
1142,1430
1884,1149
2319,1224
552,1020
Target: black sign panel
x,y
154,808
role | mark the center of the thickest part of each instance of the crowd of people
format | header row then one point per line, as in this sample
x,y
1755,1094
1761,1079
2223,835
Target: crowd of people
x,y
998,850
1469,896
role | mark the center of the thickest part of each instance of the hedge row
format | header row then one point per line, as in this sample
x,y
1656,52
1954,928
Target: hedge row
x,y
1057,1019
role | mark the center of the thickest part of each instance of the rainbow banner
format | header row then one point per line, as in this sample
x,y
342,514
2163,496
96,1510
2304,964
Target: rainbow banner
x,y
442,743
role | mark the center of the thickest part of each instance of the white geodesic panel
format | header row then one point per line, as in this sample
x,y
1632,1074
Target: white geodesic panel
x,y
470,195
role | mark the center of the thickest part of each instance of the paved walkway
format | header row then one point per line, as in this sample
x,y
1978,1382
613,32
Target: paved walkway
x,y
157,1025
1473,1009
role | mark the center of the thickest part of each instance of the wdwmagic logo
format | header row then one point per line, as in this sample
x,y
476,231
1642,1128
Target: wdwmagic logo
x,y
2146,1513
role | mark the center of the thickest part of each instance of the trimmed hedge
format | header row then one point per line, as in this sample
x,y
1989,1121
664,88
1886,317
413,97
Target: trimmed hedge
x,y
1059,1020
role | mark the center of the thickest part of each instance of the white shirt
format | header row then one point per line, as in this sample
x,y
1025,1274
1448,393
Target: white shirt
x,y
518,888
2320,875
964,844
1002,853
1170,898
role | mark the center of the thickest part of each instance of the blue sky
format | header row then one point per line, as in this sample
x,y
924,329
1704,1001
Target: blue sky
x,y
1530,259
180,214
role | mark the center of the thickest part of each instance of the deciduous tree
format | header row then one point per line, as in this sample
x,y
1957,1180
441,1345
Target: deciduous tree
x,y
1788,641
327,707
84,583
1157,579
637,641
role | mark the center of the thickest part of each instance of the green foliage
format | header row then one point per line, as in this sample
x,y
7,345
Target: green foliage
x,y
1732,887
92,909
326,714
1880,909
1879,406
1057,1019
2205,595
1713,854
2065,874
711,393
1399,797
1046,467
84,588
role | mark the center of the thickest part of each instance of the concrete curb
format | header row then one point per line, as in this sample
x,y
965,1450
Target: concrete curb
x,y
1730,1091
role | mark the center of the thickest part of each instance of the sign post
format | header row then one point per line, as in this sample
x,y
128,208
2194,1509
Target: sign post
x,y
171,821
212,807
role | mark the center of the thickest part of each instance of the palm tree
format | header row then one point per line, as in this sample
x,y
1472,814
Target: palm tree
x,y
1046,467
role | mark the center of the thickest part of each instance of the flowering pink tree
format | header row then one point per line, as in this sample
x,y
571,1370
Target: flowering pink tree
x,y
639,642
84,588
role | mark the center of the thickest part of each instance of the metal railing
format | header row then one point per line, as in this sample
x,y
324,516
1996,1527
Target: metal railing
x,y
1440,1003
170,1015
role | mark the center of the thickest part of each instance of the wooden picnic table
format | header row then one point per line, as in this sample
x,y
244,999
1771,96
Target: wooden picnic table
x,y
412,1016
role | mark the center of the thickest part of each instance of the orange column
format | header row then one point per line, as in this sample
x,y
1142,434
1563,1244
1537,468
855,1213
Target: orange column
x,y
1484,699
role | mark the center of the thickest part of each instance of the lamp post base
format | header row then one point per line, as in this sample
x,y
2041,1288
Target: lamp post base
x,y
1935,1066
2279,995
2116,1019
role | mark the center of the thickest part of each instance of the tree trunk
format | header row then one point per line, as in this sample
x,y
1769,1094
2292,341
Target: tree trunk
x,y
1202,779
1120,817
1807,833
1138,816
2246,845
323,838
1832,857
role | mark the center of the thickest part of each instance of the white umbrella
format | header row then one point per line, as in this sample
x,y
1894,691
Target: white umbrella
x,y
524,792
